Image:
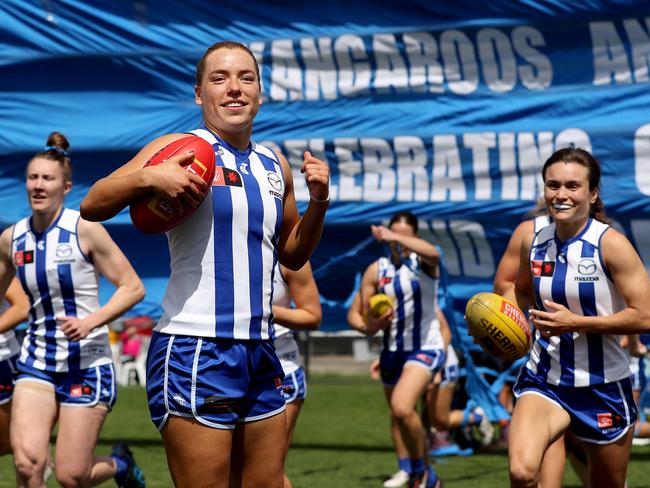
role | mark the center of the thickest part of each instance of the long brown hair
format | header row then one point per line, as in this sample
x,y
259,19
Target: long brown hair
x,y
584,158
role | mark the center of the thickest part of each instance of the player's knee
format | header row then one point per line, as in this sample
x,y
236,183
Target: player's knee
x,y
72,478
5,446
441,423
29,465
401,410
522,474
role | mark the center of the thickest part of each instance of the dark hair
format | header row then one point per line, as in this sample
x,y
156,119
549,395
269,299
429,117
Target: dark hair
x,y
406,217
583,158
200,67
56,149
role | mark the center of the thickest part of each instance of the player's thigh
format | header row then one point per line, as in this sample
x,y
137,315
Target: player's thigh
x,y
607,463
5,418
198,456
293,410
536,423
411,385
258,453
442,406
552,469
33,413
79,429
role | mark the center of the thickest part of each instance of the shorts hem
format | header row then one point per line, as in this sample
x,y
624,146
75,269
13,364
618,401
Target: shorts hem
x,y
33,379
539,394
4,401
604,441
264,415
419,363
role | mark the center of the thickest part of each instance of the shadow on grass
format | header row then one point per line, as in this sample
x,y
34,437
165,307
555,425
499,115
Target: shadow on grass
x,y
131,442
339,447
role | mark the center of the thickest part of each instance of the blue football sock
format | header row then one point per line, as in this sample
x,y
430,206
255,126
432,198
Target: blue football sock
x,y
432,477
417,466
404,464
122,467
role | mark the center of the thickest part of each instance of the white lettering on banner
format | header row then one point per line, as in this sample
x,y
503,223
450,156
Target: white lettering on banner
x,y
416,62
499,64
378,172
412,177
480,144
490,165
286,75
642,159
349,169
539,73
425,68
320,70
354,67
611,61
467,251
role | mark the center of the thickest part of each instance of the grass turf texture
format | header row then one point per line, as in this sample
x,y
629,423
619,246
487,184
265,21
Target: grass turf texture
x,y
341,441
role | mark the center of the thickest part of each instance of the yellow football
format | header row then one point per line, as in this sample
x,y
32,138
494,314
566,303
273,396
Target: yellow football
x,y
380,304
498,325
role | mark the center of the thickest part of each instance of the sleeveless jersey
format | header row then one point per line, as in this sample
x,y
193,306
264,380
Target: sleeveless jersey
x,y
540,222
60,281
415,325
8,343
286,346
223,257
573,274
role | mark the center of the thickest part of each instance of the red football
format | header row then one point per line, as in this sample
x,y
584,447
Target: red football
x,y
152,214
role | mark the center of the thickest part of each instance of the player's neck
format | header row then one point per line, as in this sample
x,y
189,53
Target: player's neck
x,y
42,220
238,139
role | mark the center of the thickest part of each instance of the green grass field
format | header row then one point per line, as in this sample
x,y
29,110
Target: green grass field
x,y
341,441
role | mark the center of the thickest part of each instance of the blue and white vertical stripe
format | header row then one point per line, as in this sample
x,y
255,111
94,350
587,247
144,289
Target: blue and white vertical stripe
x,y
8,343
580,282
415,325
223,257
60,281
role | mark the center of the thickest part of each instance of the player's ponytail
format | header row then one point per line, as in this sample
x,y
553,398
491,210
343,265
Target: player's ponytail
x,y
56,149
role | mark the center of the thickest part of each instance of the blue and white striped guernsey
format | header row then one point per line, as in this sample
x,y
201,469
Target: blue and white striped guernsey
x,y
8,343
59,281
223,257
415,325
573,273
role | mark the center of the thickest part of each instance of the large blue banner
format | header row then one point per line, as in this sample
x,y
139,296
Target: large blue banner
x,y
447,109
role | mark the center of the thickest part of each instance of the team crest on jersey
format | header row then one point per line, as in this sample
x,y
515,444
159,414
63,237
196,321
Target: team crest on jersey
x,y
542,268
22,258
226,177
276,184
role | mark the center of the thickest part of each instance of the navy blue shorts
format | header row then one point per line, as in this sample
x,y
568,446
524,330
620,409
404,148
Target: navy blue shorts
x,y
80,388
600,414
218,382
7,378
294,386
391,363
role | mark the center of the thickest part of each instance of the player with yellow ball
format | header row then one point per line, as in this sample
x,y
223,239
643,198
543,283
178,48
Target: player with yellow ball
x,y
398,295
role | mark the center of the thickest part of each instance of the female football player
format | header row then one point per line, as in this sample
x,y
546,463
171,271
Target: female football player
x,y
299,288
65,370
213,377
414,349
587,285
13,311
